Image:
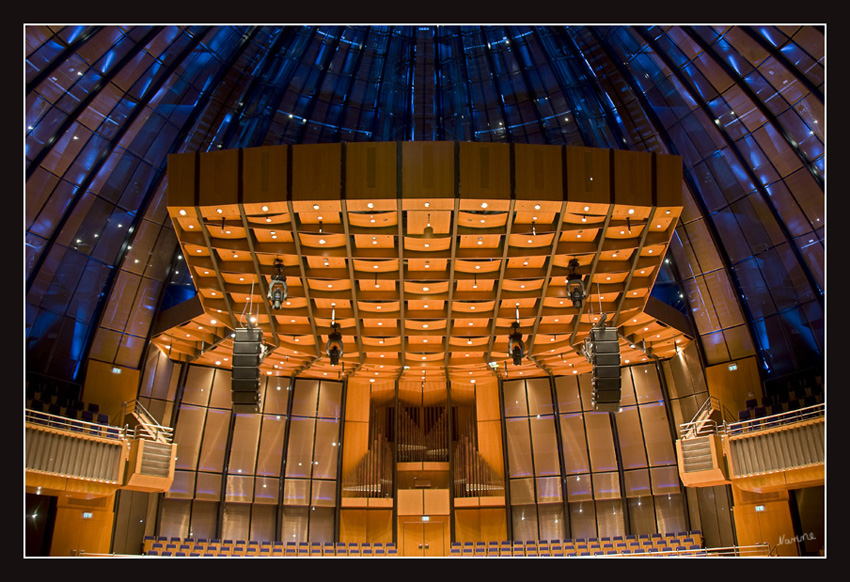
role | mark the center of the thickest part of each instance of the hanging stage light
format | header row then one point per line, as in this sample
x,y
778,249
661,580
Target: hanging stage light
x,y
575,286
516,347
277,289
429,231
334,345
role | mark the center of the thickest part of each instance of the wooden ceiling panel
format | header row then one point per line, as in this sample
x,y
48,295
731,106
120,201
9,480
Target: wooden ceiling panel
x,y
385,267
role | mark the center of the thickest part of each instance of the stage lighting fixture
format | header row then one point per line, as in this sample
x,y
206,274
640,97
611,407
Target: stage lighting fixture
x,y
516,347
277,288
575,286
334,345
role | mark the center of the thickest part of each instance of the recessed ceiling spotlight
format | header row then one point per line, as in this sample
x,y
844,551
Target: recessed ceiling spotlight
x,y
427,205
370,205
631,210
483,205
586,208
182,212
537,207
315,206
218,210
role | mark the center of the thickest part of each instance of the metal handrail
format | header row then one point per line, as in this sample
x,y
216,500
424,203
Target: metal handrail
x,y
709,427
700,419
755,550
707,405
73,425
783,418
147,421
689,430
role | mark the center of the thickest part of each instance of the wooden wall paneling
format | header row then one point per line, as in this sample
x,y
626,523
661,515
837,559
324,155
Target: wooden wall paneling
x,y
538,172
109,386
410,502
734,387
181,180
82,526
428,169
588,175
490,445
668,181
764,518
487,401
316,172
379,526
436,502
468,525
219,178
370,170
485,170
353,525
355,446
264,174
632,178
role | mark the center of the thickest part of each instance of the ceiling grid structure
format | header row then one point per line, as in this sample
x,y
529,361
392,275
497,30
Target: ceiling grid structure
x,y
425,287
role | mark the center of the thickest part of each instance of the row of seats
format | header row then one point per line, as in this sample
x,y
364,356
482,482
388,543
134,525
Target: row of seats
x,y
753,410
76,411
177,547
629,544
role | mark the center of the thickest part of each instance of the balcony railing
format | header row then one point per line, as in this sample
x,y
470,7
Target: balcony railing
x,y
700,428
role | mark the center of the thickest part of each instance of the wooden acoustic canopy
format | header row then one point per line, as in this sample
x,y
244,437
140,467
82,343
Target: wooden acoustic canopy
x,y
424,253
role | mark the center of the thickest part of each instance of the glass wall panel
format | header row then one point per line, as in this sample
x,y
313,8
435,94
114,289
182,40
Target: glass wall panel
x,y
243,445
574,444
236,522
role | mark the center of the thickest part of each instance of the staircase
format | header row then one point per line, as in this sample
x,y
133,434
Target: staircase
x,y
772,453
696,454
705,420
156,459
144,424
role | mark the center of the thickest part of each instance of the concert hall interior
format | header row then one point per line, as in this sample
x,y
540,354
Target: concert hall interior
x,y
424,291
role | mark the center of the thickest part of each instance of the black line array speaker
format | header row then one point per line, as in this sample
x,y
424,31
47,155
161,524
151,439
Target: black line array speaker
x,y
605,358
245,371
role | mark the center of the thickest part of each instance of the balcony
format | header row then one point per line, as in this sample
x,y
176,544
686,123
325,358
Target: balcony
x,y
773,453
94,459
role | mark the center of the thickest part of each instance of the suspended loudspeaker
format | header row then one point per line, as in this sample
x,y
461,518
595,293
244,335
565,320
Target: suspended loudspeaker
x,y
604,352
245,372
